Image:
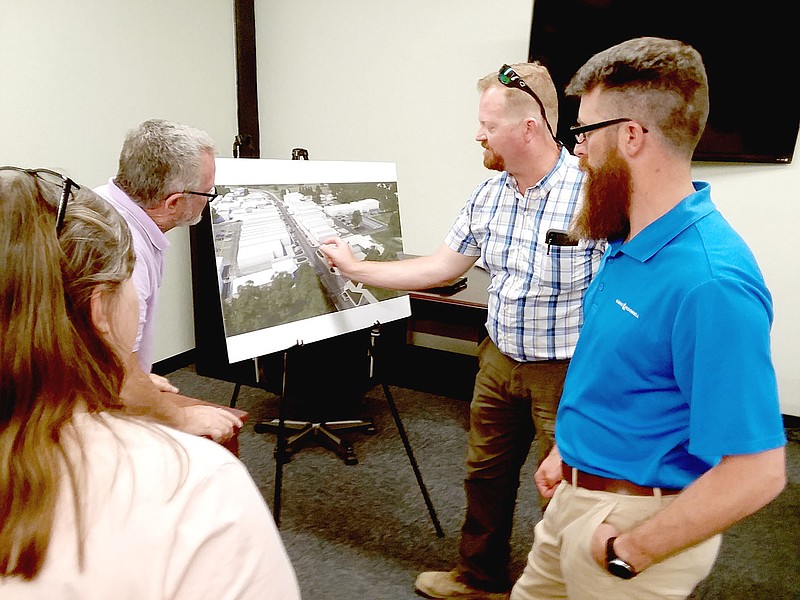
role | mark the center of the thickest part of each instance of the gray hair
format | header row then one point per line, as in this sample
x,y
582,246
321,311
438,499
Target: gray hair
x,y
538,79
659,82
160,158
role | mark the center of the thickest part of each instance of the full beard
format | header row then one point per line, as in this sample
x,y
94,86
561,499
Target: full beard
x,y
492,160
604,213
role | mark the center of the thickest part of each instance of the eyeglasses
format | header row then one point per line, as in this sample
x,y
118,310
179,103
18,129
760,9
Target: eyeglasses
x,y
580,131
52,178
509,78
210,195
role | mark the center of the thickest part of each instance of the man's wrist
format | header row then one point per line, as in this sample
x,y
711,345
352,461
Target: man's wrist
x,y
616,565
626,549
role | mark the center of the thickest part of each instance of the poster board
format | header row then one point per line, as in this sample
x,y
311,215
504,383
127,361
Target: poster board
x,y
276,289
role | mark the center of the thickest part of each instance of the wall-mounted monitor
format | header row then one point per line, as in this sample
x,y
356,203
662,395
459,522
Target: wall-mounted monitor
x,y
750,53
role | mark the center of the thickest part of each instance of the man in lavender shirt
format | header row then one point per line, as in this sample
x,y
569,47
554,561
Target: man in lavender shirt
x,y
165,177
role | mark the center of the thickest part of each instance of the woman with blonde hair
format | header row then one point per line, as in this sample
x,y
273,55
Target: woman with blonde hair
x,y
94,502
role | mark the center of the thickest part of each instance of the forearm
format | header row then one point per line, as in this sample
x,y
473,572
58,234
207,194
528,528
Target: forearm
x,y
736,488
140,396
414,273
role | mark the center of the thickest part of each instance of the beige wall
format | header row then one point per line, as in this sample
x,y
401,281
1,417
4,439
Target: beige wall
x,y
357,80
385,80
75,76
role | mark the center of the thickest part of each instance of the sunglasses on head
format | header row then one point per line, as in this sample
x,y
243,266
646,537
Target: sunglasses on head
x,y
56,179
509,78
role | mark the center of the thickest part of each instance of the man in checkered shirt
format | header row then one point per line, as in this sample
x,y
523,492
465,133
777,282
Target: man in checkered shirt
x,y
515,223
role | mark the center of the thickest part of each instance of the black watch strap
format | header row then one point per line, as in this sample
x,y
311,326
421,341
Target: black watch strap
x,y
615,565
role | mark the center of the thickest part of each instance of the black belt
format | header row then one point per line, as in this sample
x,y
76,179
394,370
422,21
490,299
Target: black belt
x,y
596,483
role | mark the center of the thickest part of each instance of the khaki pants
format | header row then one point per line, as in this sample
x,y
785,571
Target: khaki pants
x,y
560,564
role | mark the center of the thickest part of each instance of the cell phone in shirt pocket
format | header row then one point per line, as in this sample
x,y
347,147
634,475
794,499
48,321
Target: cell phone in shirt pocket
x,y
558,237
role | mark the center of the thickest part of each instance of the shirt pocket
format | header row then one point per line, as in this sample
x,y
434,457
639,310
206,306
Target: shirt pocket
x,y
567,268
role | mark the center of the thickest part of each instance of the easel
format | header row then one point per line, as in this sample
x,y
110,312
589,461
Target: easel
x,y
324,431
374,333
281,447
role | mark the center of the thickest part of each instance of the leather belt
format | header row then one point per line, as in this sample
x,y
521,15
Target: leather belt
x,y
597,483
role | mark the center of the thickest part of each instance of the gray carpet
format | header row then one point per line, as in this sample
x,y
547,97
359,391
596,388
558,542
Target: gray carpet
x,y
363,531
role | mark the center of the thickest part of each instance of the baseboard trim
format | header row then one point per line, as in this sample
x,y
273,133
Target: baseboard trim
x,y
173,363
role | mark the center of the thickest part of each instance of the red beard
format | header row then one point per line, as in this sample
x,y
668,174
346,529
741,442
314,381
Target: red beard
x,y
604,213
492,160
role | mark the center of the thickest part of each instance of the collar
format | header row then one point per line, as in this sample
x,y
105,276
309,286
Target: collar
x,y
549,181
666,228
127,206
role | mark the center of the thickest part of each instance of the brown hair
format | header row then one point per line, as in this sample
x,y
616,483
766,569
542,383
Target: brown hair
x,y
53,361
659,82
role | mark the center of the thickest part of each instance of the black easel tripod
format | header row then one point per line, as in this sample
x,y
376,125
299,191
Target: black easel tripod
x,y
282,453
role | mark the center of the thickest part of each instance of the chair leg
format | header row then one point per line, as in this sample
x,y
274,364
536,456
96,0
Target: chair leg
x,y
322,432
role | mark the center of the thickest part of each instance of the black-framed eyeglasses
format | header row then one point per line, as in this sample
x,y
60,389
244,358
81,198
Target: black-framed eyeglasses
x,y
509,78
55,178
580,131
210,195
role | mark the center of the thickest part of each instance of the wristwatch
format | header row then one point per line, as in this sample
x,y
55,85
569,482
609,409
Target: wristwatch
x,y
615,565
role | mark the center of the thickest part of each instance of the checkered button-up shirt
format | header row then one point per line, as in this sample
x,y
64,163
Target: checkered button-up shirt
x,y
535,291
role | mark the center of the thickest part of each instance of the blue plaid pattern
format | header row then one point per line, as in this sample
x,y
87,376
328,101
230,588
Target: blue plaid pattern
x,y
535,292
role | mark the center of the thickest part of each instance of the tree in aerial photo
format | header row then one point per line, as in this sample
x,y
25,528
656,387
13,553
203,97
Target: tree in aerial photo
x,y
285,299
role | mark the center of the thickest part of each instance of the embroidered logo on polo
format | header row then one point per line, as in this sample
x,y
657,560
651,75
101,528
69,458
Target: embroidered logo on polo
x,y
626,308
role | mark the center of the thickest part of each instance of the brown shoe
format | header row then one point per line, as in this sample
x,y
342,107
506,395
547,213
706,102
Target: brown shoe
x,y
445,584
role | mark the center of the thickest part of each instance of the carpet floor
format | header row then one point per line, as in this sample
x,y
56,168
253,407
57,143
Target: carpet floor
x,y
363,531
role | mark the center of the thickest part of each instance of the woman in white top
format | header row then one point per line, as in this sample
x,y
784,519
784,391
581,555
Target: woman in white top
x,y
95,503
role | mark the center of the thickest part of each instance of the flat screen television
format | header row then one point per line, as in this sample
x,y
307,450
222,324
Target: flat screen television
x,y
750,53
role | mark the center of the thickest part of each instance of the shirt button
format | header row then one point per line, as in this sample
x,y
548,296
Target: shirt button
x,y
602,286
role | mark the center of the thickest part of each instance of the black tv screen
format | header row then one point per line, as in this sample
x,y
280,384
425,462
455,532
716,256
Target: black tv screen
x,y
750,53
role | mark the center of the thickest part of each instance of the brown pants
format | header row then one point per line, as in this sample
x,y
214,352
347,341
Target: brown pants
x,y
513,402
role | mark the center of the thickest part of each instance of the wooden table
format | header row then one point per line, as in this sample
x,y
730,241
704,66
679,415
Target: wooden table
x,y
459,316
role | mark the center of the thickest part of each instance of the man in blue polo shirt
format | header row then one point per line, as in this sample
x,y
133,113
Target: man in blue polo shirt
x,y
669,428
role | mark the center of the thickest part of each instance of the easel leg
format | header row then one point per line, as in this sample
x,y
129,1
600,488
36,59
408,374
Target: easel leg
x,y
374,334
235,394
280,445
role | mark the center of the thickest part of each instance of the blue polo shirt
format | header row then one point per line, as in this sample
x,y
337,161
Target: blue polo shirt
x,y
672,369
